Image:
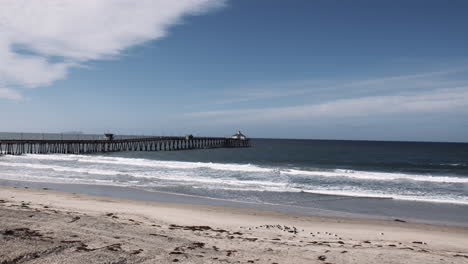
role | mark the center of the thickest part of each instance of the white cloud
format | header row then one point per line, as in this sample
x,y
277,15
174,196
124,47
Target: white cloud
x,y
59,34
9,94
440,100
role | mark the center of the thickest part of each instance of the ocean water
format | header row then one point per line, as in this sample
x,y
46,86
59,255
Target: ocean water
x,y
290,172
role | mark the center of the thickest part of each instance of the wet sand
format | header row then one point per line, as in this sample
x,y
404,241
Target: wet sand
x,y
304,204
47,226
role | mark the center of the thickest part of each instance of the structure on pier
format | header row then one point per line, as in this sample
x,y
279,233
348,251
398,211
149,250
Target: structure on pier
x,y
109,136
238,135
110,144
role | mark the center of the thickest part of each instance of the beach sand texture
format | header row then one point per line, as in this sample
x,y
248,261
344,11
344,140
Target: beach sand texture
x,y
47,226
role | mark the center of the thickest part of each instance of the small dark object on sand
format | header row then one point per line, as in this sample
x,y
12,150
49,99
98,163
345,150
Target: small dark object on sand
x,y
22,232
399,220
407,248
8,232
114,247
76,218
322,258
70,241
136,252
196,245
157,235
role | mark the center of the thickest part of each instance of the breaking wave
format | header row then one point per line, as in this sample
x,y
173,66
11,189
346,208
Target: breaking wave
x,y
146,173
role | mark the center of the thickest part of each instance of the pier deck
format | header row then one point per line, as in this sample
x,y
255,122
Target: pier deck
x,y
18,147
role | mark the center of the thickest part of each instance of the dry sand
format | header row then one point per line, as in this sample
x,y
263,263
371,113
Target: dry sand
x,y
46,226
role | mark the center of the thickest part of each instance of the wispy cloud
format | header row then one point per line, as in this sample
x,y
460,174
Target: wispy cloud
x,y
439,100
9,94
55,35
324,88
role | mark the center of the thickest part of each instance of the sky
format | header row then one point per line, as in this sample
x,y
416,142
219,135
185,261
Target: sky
x,y
325,69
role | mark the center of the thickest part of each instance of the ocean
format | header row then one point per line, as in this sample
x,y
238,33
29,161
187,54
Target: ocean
x,y
302,173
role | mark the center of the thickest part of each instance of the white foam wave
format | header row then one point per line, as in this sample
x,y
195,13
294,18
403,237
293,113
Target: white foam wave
x,y
380,176
361,193
455,165
182,165
181,173
60,168
151,163
154,175
406,197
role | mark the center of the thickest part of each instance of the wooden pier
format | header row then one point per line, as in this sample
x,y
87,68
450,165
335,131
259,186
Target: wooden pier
x,y
18,147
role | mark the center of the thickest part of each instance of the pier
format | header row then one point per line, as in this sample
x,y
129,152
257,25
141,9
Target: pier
x,y
18,147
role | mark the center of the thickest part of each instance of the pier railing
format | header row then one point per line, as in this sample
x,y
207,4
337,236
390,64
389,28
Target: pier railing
x,y
18,147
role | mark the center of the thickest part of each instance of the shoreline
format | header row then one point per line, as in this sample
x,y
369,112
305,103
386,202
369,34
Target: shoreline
x,y
325,205
54,226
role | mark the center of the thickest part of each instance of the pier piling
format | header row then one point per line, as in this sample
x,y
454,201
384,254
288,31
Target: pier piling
x,y
42,146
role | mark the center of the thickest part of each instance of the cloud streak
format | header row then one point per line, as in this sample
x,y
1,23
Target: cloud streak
x,y
439,100
40,41
324,88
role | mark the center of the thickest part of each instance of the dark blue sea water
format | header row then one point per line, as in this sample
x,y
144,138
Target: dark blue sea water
x,y
273,171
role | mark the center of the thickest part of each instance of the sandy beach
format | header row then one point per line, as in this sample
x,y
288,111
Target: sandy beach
x,y
47,226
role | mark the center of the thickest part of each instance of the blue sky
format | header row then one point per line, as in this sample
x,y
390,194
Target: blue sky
x,y
377,70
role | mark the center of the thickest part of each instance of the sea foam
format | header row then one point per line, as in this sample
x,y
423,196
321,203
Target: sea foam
x,y
147,173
